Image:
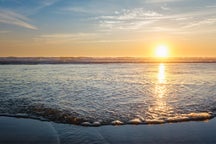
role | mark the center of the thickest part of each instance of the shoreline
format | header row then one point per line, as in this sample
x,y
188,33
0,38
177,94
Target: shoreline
x,y
16,130
191,117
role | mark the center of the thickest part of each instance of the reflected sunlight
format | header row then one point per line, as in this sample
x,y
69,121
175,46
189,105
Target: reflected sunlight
x,y
161,89
160,107
161,74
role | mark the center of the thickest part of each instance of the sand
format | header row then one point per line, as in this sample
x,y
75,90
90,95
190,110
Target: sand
x,y
14,130
26,131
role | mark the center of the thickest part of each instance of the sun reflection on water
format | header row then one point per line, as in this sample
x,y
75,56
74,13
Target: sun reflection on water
x,y
160,109
160,89
161,74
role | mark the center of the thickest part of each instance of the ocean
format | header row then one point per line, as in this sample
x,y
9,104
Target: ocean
x,y
112,93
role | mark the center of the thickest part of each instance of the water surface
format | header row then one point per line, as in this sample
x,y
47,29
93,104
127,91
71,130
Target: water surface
x,y
77,93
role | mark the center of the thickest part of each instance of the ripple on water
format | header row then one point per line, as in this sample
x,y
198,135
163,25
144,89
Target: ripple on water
x,y
114,94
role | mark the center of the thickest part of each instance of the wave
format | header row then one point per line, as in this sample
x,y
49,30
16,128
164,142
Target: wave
x,y
58,116
94,95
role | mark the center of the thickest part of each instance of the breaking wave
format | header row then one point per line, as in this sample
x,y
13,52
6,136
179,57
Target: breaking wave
x,y
43,113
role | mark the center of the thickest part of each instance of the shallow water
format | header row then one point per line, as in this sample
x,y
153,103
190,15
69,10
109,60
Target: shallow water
x,y
103,93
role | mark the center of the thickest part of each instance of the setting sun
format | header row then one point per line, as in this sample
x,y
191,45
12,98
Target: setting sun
x,y
161,51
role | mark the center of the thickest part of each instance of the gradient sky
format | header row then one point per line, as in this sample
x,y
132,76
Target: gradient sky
x,y
107,27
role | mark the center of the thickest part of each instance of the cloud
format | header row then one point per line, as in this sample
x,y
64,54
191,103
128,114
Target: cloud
x,y
162,1
200,23
4,32
128,19
65,37
73,36
12,18
140,20
132,14
84,10
164,7
76,9
211,6
69,38
46,3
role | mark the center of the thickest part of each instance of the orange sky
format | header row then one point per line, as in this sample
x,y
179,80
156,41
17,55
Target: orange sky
x,y
87,28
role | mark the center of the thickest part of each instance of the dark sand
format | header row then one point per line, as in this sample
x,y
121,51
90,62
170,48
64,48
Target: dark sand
x,y
14,130
26,131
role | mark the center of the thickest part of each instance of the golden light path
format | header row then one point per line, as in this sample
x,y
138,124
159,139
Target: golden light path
x,y
160,107
160,91
160,88
161,110
161,73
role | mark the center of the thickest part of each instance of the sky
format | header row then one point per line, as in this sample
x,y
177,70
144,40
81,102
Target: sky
x,y
107,28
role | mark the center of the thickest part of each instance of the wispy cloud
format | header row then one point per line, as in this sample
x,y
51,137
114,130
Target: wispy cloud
x,y
46,3
80,9
211,6
65,37
3,32
76,9
164,7
153,21
128,19
42,4
132,14
12,18
162,1
200,23
73,36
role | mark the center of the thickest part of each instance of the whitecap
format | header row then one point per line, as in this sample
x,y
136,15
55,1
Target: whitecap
x,y
180,118
135,121
155,121
140,117
116,122
86,124
96,123
200,116
190,116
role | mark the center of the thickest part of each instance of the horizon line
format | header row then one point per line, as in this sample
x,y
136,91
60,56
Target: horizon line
x,y
107,57
97,60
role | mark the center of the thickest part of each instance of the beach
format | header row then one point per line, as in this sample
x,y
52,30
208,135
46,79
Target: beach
x,y
21,130
50,104
107,71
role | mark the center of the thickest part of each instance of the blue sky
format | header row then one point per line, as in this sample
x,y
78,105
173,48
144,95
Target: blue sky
x,y
103,23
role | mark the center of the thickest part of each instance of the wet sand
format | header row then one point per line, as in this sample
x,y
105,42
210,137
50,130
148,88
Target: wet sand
x,y
19,130
26,131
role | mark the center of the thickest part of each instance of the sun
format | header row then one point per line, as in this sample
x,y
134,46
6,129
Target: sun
x,y
161,51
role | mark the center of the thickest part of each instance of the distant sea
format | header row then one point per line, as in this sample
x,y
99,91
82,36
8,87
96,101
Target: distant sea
x,y
90,60
108,93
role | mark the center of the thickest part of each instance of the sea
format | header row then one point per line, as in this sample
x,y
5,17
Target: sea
x,y
109,93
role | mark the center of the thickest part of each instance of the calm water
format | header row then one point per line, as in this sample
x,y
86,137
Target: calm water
x,y
107,92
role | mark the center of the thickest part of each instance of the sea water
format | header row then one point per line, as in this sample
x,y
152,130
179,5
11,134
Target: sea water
x,y
103,94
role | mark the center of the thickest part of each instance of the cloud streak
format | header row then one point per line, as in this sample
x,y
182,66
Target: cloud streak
x,y
200,23
4,32
46,3
138,19
162,1
81,10
128,19
12,18
59,38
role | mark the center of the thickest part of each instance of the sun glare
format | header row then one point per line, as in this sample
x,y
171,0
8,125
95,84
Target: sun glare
x,y
161,51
